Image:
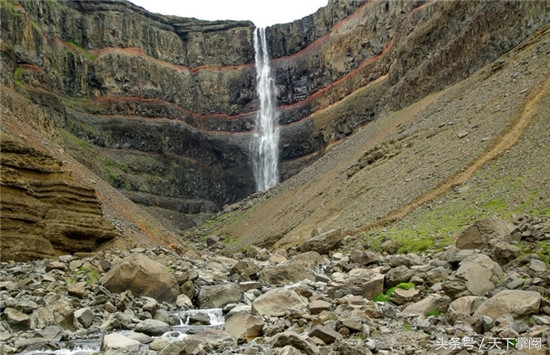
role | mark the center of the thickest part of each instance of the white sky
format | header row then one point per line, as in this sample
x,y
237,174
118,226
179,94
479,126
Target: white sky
x,y
261,12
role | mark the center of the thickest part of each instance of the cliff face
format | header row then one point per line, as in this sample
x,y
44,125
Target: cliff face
x,y
44,210
163,107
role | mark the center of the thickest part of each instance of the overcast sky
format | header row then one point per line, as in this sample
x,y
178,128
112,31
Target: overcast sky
x,y
261,12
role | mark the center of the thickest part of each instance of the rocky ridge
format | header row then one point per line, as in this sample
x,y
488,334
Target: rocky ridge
x,y
454,301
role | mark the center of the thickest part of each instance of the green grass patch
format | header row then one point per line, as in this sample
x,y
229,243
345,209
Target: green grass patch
x,y
77,142
385,297
434,312
82,51
89,274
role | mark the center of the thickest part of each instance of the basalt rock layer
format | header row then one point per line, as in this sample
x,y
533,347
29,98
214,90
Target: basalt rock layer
x,y
163,107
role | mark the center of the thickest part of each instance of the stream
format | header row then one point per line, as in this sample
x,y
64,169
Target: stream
x,y
90,346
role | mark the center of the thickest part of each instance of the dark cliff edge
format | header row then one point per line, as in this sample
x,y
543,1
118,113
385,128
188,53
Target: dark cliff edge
x,y
163,107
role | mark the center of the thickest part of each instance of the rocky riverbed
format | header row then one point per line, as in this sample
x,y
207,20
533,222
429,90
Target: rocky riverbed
x,y
485,295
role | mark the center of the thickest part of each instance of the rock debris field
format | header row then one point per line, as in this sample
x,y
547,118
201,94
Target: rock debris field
x,y
487,294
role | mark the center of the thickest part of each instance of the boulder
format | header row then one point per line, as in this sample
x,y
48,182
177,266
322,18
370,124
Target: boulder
x,y
17,320
304,345
217,296
505,252
42,318
244,326
479,273
367,283
364,258
326,334
298,268
142,276
323,243
287,350
428,304
257,253
117,343
276,302
462,308
63,313
245,267
212,341
512,302
317,306
398,275
537,265
152,327
400,296
455,287
285,273
77,289
183,301
84,316
477,236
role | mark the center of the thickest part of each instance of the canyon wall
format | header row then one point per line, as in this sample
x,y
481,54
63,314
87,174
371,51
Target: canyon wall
x,y
163,107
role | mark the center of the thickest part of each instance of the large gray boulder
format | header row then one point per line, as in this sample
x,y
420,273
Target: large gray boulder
x,y
323,243
462,308
152,327
217,296
244,326
477,236
142,276
512,302
367,283
116,343
479,272
276,302
300,267
428,304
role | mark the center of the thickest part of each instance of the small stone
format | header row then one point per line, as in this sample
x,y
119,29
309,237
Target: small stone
x,y
537,265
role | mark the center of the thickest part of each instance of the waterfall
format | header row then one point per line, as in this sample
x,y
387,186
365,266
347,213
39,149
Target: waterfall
x,y
265,142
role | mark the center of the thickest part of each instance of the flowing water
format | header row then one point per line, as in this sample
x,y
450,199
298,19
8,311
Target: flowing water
x,y
265,142
178,332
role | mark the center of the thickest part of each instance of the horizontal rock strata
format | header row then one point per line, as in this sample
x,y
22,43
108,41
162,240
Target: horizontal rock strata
x,y
142,88
44,210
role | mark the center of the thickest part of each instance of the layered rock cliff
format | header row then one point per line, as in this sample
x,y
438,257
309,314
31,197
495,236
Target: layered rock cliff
x,y
44,209
163,107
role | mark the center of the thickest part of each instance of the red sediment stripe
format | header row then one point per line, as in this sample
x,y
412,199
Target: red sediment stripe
x,y
31,67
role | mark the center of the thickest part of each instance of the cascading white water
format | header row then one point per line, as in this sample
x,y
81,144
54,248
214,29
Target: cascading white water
x,y
265,142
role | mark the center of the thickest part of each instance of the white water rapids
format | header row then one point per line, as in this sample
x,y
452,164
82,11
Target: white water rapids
x,y
265,142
